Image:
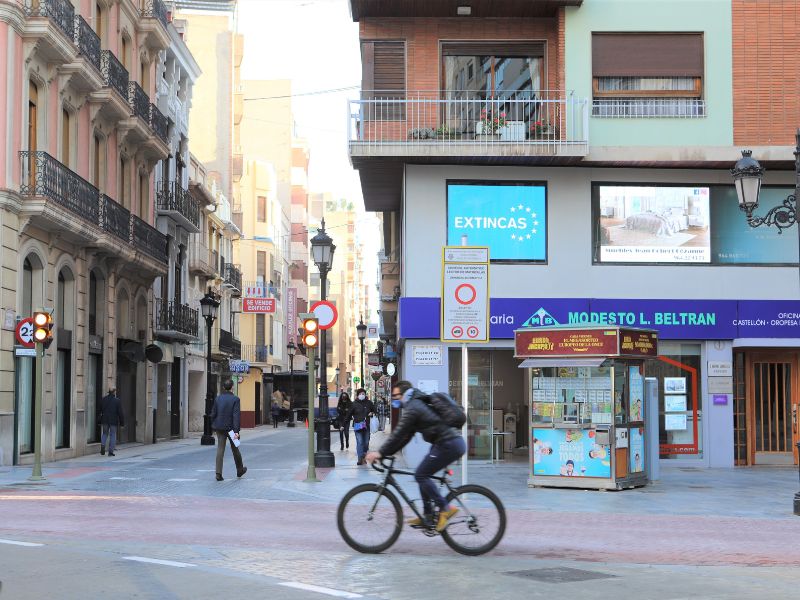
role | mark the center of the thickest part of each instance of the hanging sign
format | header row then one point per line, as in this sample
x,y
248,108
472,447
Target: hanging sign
x,y
258,305
465,294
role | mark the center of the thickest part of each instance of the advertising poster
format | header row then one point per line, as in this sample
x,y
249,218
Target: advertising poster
x,y
569,453
636,454
674,403
654,224
636,383
674,422
510,218
674,385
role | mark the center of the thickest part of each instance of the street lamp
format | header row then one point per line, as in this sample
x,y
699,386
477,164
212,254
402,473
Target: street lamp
x,y
322,249
208,308
747,175
337,381
290,350
361,329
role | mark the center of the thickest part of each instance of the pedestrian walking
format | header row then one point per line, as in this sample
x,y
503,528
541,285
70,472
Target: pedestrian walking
x,y
343,423
277,396
224,420
111,417
382,409
276,413
360,412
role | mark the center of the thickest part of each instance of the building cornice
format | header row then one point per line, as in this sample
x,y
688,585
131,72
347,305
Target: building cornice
x,y
11,13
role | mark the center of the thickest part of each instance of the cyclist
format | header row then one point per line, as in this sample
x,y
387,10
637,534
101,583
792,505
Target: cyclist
x,y
447,446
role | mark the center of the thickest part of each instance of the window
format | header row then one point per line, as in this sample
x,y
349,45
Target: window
x,y
144,197
97,161
145,71
260,324
124,183
261,266
261,209
647,75
384,78
125,51
99,23
66,141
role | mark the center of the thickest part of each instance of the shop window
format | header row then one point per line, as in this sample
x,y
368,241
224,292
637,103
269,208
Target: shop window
x,y
647,75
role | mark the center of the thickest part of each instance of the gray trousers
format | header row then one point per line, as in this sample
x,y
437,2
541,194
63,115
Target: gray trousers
x,y
222,439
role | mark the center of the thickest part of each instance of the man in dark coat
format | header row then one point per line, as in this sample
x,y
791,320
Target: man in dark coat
x,y
224,419
111,417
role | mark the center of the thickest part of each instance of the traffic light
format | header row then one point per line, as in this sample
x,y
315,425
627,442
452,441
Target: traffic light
x,y
310,333
43,329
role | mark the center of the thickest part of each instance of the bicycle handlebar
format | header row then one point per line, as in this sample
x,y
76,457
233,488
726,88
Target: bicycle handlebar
x,y
383,462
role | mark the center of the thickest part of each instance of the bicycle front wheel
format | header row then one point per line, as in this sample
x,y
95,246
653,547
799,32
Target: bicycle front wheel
x,y
480,522
369,518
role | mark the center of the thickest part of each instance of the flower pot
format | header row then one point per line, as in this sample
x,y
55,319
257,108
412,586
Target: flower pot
x,y
487,137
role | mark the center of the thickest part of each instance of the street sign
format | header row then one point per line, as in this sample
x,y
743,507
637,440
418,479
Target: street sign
x,y
24,351
291,314
258,305
390,369
238,366
24,333
356,380
326,313
465,294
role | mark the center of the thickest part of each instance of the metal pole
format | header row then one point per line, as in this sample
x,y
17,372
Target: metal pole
x,y
465,400
208,439
36,474
324,457
291,422
311,473
362,363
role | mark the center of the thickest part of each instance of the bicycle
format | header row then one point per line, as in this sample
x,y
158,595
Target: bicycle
x,y
370,517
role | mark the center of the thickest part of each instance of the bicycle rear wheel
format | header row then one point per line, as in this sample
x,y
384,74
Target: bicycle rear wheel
x,y
369,518
480,523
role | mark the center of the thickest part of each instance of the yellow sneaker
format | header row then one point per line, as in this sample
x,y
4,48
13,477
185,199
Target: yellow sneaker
x,y
444,518
415,522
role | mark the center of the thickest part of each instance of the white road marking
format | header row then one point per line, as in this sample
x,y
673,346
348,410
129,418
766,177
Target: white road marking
x,y
126,478
320,590
205,470
177,479
16,543
157,561
158,469
259,469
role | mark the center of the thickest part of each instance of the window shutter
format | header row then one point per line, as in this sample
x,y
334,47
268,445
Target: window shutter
x,y
647,54
383,76
506,49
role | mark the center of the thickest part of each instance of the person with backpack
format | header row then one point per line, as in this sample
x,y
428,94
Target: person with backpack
x,y
437,417
359,412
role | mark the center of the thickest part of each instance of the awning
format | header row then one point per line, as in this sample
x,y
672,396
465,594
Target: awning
x,y
530,363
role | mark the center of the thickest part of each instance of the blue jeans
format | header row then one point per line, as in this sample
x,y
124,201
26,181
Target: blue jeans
x,y
109,431
439,456
362,441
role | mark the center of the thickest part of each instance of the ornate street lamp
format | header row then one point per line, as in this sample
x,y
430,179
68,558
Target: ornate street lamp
x,y
747,174
208,308
322,249
361,329
291,349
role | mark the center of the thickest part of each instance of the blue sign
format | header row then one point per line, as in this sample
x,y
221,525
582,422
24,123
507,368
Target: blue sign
x,y
569,453
673,319
510,218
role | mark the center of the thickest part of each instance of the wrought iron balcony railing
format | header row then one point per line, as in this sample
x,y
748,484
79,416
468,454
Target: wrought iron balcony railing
x,y
148,239
114,74
233,276
43,175
139,101
159,123
59,11
172,196
229,344
115,218
172,316
255,353
156,9
87,41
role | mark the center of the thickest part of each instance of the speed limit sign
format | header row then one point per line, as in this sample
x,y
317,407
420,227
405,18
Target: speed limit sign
x,y
24,333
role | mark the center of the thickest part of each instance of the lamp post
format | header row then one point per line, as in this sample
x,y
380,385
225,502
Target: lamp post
x,y
747,175
361,329
208,308
337,381
322,249
290,350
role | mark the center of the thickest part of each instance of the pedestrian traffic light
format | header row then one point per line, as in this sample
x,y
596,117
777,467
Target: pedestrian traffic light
x,y
43,329
310,333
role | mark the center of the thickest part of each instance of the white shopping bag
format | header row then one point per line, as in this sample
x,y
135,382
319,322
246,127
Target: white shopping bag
x,y
373,425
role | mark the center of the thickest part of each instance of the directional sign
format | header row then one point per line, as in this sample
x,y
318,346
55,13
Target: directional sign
x,y
24,333
465,294
326,313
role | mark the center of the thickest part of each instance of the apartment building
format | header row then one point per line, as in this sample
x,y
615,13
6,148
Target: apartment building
x,y
589,144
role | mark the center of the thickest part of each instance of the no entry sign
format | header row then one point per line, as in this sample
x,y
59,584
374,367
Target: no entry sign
x,y
326,313
465,294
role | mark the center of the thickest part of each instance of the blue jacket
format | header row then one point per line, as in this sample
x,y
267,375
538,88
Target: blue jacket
x,y
225,414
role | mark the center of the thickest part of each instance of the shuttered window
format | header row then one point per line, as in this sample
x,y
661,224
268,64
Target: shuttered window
x,y
383,79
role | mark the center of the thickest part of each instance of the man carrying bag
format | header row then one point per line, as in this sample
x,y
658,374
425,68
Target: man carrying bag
x,y
225,423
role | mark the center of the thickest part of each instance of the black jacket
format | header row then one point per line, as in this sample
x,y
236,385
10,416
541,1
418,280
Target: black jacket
x,y
225,414
342,409
417,416
111,411
360,411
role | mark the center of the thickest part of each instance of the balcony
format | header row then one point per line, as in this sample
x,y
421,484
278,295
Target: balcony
x,y
255,353
146,238
237,166
63,195
178,204
145,125
52,24
233,278
202,261
115,219
175,321
139,102
154,24
159,123
224,345
113,97
85,70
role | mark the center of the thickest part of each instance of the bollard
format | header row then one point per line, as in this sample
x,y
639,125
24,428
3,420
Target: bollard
x,y
797,495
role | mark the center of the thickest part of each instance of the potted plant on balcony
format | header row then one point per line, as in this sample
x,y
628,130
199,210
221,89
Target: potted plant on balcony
x,y
490,123
542,130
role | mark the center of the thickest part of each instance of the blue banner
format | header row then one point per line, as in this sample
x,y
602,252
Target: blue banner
x,y
673,319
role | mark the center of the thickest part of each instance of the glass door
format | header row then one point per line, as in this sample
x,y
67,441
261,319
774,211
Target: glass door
x,y
479,413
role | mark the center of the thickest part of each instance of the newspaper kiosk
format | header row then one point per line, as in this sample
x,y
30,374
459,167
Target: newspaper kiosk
x,y
587,404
